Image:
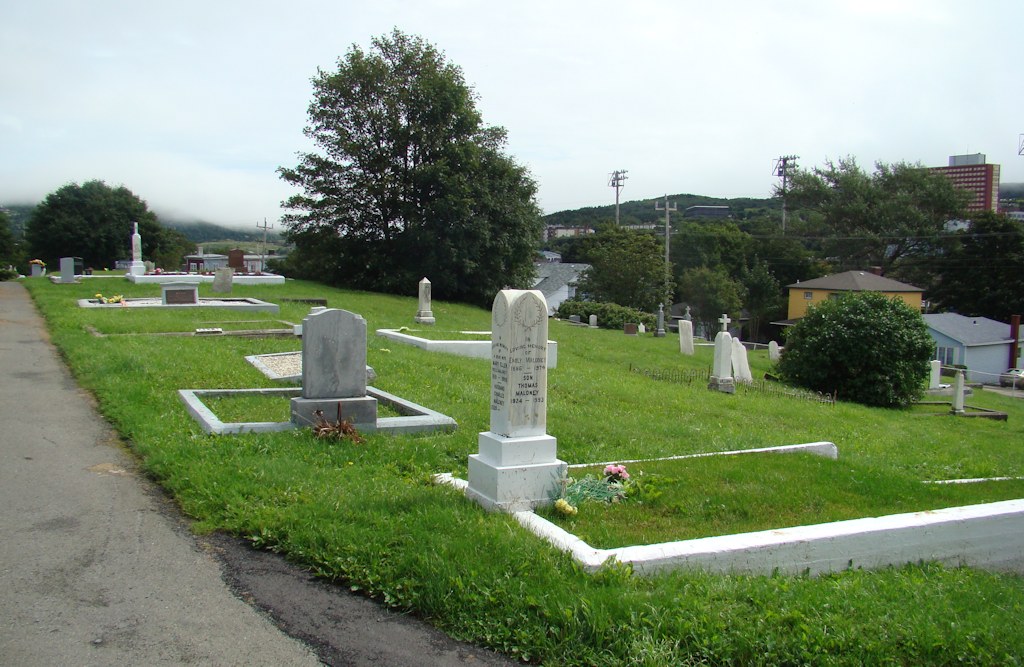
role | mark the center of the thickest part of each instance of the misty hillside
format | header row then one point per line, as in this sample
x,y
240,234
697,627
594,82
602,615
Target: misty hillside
x,y
203,232
643,210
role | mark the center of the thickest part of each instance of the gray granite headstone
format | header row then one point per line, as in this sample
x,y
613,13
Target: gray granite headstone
x,y
222,279
593,321
334,370
67,269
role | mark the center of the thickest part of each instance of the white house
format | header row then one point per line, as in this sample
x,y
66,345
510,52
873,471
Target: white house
x,y
557,282
980,344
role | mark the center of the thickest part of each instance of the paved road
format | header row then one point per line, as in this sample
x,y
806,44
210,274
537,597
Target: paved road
x,y
98,568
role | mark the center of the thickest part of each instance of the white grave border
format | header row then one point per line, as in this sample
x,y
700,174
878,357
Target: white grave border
x,y
989,536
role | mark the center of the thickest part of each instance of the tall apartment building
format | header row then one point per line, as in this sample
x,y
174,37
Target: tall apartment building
x,y
971,173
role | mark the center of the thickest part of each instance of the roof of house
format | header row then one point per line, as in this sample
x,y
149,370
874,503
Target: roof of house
x,y
856,281
553,276
969,330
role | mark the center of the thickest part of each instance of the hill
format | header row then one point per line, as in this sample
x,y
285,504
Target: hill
x,y
198,231
642,211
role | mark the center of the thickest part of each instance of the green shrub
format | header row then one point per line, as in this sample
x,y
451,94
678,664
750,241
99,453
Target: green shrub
x,y
868,347
8,274
609,315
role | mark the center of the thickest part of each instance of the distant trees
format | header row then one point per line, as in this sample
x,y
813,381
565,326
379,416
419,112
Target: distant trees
x,y
408,182
94,221
710,293
627,268
868,347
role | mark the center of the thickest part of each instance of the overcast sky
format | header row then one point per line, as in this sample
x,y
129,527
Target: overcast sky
x,y
193,105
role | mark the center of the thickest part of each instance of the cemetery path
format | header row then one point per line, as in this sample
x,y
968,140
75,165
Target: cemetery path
x,y
98,567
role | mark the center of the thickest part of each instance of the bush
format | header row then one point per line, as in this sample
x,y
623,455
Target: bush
x,y
8,274
609,315
868,347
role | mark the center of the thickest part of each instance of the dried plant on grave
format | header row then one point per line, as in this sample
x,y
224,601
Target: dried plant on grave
x,y
342,429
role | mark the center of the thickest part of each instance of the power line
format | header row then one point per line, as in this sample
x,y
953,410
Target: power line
x,y
781,169
617,180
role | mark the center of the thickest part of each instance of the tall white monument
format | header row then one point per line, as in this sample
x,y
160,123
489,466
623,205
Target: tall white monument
x,y
517,468
137,268
424,315
721,369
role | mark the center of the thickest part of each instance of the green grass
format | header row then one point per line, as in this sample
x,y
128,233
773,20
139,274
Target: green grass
x,y
368,517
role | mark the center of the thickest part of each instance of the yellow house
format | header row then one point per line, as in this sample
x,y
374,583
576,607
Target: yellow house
x,y
805,294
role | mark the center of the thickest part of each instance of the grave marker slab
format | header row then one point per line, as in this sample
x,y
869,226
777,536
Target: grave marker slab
x,y
424,315
740,363
222,279
178,294
774,351
629,328
686,337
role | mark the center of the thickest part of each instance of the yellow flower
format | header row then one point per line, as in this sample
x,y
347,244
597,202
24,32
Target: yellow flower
x,y
562,506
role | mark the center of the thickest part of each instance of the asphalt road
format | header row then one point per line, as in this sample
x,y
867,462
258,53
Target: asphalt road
x,y
97,566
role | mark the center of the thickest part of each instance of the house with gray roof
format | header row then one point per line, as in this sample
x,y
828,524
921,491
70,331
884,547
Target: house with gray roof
x,y
982,345
557,282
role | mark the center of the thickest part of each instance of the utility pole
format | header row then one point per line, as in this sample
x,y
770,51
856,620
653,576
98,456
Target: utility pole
x,y
263,251
1020,145
617,180
781,169
668,208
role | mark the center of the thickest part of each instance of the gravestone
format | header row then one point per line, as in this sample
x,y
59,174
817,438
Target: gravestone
x,y
641,328
740,363
721,369
516,467
774,351
593,321
236,259
935,377
334,371
67,269
660,332
424,315
222,279
686,337
629,328
958,393
297,329
137,268
37,270
575,319
179,294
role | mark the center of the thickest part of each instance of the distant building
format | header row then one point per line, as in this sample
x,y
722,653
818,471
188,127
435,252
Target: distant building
x,y
803,295
557,282
971,173
204,261
562,231
982,345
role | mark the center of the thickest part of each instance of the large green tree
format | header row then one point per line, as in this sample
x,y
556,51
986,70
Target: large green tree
x,y
710,293
407,181
980,270
881,219
627,268
94,221
6,238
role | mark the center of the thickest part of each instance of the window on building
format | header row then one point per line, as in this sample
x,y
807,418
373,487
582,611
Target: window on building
x,y
947,355
808,295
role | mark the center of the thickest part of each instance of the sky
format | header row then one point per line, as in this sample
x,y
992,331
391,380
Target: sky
x,y
194,105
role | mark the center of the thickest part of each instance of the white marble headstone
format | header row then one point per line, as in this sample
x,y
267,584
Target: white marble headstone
x,y
935,377
519,377
773,351
740,363
686,337
424,315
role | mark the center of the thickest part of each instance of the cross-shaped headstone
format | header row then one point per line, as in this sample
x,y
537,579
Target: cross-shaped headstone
x,y
724,319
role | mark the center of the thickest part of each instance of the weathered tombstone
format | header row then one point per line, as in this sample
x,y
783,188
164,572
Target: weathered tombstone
x,y
516,467
236,259
686,337
297,329
593,321
958,393
222,279
642,328
935,377
575,319
740,363
67,269
38,270
773,351
721,369
424,315
137,268
334,371
179,294
660,332
629,328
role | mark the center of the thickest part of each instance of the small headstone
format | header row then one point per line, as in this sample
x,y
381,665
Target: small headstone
x,y
222,279
641,328
721,369
236,259
686,337
593,321
424,315
740,363
37,270
334,370
687,316
935,377
67,269
179,294
516,467
629,328
137,268
660,332
774,351
958,393
575,319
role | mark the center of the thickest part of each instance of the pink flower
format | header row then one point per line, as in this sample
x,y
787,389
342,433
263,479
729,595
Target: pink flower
x,y
616,473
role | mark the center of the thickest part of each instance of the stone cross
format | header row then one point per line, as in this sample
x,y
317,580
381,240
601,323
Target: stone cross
x,y
724,320
516,467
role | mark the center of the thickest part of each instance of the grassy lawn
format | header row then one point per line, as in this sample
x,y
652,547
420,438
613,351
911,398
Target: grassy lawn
x,y
368,517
